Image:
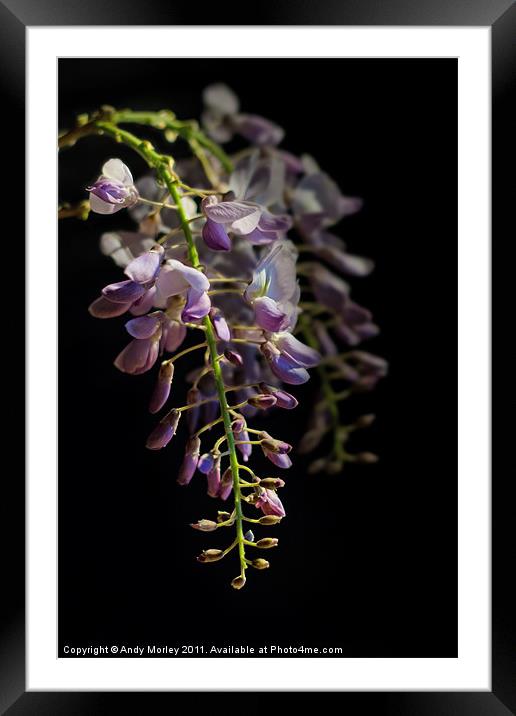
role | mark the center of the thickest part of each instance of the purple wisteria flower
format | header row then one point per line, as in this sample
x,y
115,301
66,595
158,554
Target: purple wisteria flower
x,y
114,189
255,186
270,504
222,119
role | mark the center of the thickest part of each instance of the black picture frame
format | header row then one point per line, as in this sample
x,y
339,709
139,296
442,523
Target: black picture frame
x,y
500,15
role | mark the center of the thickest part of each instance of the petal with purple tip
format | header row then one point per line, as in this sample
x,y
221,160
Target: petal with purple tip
x,y
298,352
123,291
197,305
215,236
102,308
143,326
145,267
269,315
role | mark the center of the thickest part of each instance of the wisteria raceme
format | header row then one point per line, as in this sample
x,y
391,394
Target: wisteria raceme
x,y
238,251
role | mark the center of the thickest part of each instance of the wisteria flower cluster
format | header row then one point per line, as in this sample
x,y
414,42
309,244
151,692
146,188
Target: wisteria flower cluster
x,y
216,251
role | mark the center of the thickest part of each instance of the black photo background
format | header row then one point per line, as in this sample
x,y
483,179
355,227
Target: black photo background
x,y
367,559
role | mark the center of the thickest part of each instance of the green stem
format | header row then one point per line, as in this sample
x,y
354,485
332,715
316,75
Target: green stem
x,y
187,130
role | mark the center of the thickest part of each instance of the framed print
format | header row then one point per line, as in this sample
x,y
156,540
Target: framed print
x,y
258,357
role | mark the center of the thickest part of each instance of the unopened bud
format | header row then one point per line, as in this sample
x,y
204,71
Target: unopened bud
x,y
276,446
205,525
267,543
210,555
234,358
283,399
162,388
238,582
226,485
262,401
272,483
364,421
164,431
260,563
269,520
366,457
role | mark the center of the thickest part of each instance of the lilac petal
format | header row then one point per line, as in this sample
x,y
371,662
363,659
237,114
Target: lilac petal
x,y
161,390
109,191
220,325
144,303
242,435
272,222
197,306
190,460
347,263
143,327
176,277
102,308
280,460
99,206
269,316
115,169
258,130
215,236
145,267
261,238
285,370
270,504
298,352
173,336
123,291
137,357
229,212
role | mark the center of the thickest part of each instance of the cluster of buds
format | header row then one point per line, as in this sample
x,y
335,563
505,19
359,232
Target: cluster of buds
x,y
215,252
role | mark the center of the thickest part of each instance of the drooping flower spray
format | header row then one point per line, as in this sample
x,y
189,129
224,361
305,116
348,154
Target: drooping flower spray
x,y
216,252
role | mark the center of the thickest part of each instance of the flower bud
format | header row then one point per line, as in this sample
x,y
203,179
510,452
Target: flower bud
x,y
267,543
260,563
164,431
262,401
283,399
205,525
238,582
276,446
272,483
366,457
206,463
220,325
234,358
210,555
364,421
223,516
249,536
162,388
269,520
226,485
214,478
190,461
